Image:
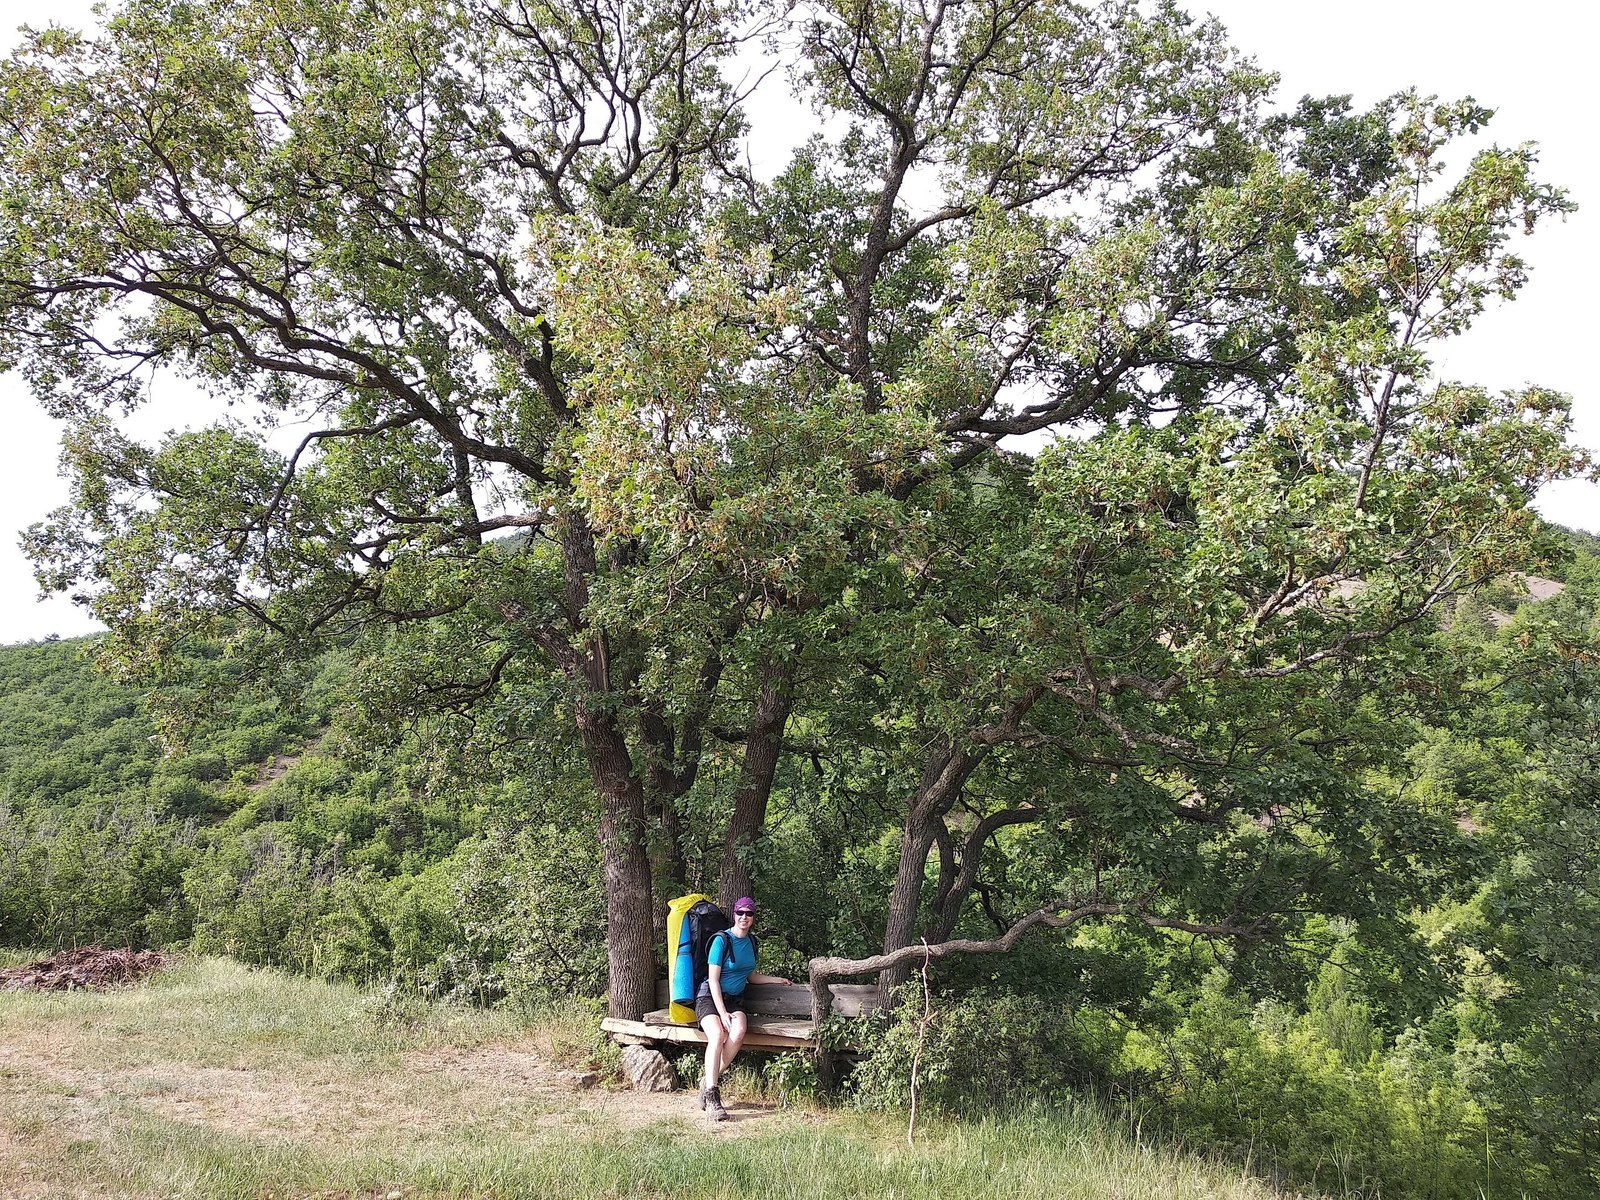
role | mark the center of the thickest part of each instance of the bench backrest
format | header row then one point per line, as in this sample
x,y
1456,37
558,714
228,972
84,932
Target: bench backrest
x,y
794,1000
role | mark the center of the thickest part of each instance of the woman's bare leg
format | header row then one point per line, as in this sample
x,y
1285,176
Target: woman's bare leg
x,y
716,1042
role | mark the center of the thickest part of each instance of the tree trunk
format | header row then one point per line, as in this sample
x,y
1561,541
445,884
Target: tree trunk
x,y
900,923
630,904
946,774
763,748
956,880
668,872
663,788
673,759
624,829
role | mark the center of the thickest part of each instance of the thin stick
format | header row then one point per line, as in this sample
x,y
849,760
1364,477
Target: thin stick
x,y
922,1039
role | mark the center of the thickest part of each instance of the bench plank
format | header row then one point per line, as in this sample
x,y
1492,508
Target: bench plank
x,y
778,1025
779,1017
757,1039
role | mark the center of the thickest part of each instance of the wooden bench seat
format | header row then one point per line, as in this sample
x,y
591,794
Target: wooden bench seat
x,y
779,1017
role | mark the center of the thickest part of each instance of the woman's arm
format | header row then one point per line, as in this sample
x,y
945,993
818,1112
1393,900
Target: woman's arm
x,y
714,979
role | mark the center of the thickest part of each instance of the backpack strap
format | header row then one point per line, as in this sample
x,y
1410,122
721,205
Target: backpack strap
x,y
728,954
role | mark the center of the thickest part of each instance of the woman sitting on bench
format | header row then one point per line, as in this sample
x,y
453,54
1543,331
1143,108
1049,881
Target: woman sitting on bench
x,y
719,1004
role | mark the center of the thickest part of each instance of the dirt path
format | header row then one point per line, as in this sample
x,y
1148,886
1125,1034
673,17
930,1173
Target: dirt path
x,y
68,1124
520,1075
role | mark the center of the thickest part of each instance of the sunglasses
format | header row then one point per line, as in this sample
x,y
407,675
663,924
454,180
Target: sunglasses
x,y
743,912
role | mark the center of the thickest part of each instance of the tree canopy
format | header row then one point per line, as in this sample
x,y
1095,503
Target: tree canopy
x,y
1044,465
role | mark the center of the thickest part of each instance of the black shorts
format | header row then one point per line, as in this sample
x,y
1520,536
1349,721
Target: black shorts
x,y
705,1005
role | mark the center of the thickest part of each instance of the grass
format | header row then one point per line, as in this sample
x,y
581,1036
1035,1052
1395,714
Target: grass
x,y
11,957
216,1080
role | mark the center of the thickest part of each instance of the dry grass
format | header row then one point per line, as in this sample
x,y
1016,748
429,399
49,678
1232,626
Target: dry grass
x,y
297,1076
214,1080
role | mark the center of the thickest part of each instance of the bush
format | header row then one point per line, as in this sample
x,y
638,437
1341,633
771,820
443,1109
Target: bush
x,y
431,951
109,877
533,900
256,899
182,796
977,1054
790,1077
1267,1084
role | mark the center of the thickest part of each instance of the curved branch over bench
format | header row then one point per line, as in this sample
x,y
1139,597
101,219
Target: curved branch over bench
x,y
825,970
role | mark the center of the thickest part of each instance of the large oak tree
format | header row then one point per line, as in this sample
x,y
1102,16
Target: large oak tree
x,y
775,446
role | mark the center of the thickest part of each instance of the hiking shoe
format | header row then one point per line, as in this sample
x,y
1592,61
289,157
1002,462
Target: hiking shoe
x,y
711,1100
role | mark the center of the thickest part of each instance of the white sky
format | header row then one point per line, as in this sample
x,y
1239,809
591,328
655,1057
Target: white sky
x,y
1533,65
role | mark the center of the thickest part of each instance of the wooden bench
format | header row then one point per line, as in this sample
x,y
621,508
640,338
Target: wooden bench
x,y
780,1017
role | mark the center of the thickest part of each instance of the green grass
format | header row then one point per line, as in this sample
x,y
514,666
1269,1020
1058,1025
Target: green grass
x,y
215,1080
1056,1157
10,957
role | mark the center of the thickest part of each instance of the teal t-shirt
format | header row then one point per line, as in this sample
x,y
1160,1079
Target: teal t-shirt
x,y
737,958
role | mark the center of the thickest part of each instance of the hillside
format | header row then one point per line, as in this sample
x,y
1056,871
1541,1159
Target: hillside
x,y
71,736
219,1081
218,808
424,860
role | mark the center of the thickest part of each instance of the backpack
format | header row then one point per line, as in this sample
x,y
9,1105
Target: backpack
x,y
693,923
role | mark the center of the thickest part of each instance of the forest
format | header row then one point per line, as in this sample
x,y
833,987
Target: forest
x,y
1021,535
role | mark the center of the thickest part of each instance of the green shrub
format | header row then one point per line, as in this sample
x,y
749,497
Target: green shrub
x,y
182,796
1267,1084
790,1077
533,900
255,898
975,1054
432,952
109,877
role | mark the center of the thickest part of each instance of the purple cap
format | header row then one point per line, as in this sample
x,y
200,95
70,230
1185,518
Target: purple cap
x,y
744,904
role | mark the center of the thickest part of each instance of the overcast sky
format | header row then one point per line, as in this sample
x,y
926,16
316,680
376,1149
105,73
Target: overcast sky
x,y
1528,62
